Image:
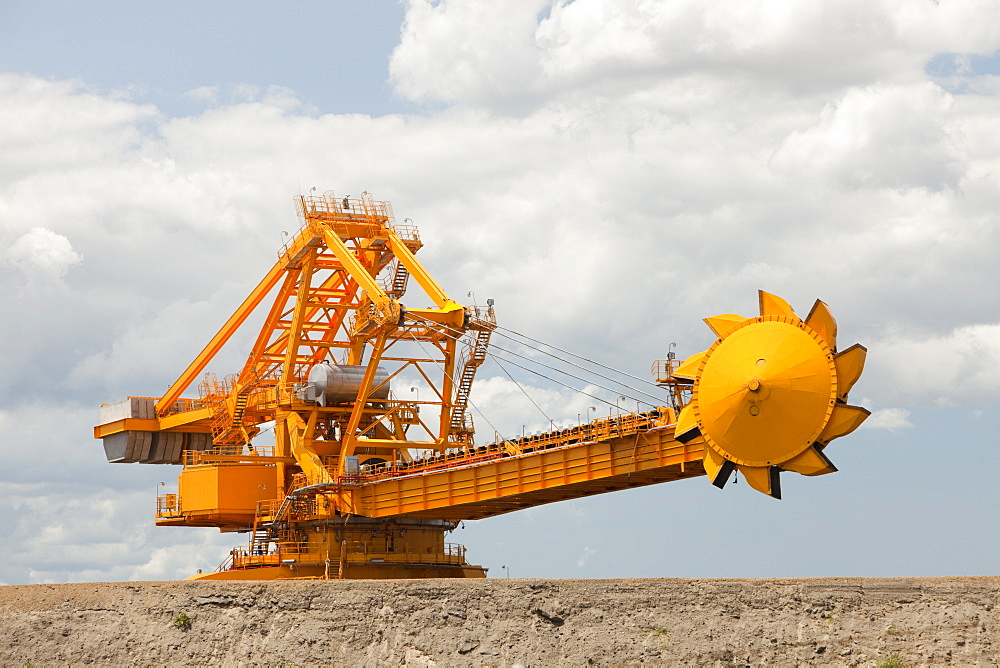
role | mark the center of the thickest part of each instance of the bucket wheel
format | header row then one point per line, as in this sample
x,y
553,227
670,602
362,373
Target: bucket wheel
x,y
770,394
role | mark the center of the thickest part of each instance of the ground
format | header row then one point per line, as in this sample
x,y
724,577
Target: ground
x,y
500,622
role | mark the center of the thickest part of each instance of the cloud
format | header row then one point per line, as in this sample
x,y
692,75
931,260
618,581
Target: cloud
x,y
882,137
888,418
609,172
42,253
126,361
69,516
515,57
96,534
961,366
476,38
40,133
203,94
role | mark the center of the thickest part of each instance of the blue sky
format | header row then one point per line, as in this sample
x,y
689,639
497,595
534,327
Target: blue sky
x,y
609,171
334,55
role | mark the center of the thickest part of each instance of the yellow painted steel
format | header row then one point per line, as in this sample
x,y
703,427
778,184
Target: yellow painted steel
x,y
302,447
189,422
487,488
770,394
222,494
725,323
362,486
810,462
850,364
354,266
844,420
358,567
821,321
766,391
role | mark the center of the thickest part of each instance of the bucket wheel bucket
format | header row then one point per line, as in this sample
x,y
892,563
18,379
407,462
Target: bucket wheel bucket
x,y
770,394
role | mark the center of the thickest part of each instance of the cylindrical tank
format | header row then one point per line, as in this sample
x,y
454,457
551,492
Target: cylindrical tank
x,y
339,383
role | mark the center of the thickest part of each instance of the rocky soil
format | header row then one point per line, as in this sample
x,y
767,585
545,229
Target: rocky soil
x,y
497,622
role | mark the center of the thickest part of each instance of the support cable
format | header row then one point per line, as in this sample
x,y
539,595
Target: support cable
x,y
522,389
511,352
448,332
558,382
549,345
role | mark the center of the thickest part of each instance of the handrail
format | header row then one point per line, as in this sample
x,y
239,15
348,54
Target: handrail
x,y
168,505
358,552
597,430
228,454
227,563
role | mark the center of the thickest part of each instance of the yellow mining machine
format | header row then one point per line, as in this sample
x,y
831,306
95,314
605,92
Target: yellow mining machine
x,y
361,482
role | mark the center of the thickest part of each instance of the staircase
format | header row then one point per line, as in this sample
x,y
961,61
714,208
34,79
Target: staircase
x,y
399,281
260,538
476,355
228,430
241,405
342,562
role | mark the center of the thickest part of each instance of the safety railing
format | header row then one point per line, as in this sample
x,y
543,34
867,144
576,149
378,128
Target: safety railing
x,y
266,508
211,388
275,555
598,430
482,315
306,506
453,558
337,212
226,564
406,232
303,506
168,505
247,558
183,405
227,454
260,555
291,506
355,552
663,370
678,389
180,405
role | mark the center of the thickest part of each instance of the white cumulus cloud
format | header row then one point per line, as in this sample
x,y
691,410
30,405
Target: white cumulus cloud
x,y
610,172
960,366
40,252
888,418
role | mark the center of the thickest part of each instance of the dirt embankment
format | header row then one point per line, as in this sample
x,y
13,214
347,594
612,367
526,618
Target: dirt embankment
x,y
829,621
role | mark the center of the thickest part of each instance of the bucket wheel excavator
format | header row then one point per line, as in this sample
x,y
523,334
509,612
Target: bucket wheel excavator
x,y
361,480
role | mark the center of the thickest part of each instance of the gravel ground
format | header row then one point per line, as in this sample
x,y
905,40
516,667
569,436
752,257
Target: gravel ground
x,y
499,622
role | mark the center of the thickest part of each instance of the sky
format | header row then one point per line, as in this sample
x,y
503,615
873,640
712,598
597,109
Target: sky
x,y
609,171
